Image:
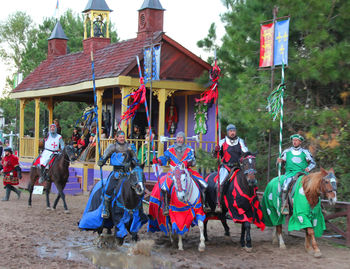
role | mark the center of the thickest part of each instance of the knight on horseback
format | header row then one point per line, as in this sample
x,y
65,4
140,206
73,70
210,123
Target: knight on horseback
x,y
298,161
181,153
122,157
53,144
231,149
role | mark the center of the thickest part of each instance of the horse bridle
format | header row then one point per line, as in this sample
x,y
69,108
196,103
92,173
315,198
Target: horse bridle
x,y
250,170
333,181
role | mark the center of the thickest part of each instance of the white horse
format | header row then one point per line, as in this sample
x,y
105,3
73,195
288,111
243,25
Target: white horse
x,y
188,193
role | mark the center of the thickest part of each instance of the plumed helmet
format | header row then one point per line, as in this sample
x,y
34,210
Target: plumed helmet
x,y
9,149
230,127
297,136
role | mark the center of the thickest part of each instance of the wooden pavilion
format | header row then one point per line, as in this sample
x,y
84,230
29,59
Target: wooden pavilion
x,y
67,77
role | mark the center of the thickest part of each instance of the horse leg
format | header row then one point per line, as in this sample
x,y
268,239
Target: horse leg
x,y
308,246
47,192
134,236
242,241
205,230
63,197
201,246
56,201
224,223
311,234
248,247
180,245
30,189
279,235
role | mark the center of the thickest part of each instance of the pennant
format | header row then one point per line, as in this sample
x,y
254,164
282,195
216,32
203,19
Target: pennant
x,y
211,94
281,42
266,45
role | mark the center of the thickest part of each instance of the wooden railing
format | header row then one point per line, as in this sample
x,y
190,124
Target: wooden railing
x,y
27,147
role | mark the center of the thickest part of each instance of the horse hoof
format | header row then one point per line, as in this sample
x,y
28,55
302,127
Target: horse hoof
x,y
67,212
249,250
317,254
181,249
48,208
283,246
227,233
29,206
310,251
201,248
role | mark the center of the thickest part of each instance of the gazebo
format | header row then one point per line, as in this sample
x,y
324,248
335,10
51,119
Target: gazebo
x,y
67,77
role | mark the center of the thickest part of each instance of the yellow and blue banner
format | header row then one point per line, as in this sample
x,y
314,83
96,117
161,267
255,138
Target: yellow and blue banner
x,y
281,42
151,60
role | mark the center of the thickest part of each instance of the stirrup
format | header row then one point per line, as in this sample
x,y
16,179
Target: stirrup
x,y
206,208
105,214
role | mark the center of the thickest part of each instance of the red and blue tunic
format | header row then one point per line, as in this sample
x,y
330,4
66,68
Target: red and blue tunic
x,y
187,157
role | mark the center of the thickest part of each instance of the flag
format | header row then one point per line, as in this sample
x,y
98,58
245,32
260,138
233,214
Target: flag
x,y
56,14
281,42
266,45
151,59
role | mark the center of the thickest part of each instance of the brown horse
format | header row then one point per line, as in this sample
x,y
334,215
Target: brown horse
x,y
307,192
57,174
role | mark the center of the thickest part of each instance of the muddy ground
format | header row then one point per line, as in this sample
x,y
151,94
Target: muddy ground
x,y
38,238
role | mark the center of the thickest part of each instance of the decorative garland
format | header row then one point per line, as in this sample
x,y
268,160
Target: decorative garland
x,y
200,118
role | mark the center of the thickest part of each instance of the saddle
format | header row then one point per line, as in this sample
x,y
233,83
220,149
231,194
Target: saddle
x,y
50,163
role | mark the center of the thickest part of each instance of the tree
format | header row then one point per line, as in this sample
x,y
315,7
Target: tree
x,y
317,77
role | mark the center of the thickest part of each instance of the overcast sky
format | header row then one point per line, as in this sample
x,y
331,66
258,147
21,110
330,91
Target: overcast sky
x,y
185,21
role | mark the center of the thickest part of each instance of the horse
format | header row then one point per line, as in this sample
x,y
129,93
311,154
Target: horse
x,y
239,200
306,204
127,214
185,206
58,174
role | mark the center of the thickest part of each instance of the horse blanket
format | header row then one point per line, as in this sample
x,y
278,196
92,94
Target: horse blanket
x,y
303,215
181,215
122,218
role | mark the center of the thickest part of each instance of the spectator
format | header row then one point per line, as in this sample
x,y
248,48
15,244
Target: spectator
x,y
75,137
57,123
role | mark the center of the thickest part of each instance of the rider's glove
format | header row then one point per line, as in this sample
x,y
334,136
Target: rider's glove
x,y
217,148
101,162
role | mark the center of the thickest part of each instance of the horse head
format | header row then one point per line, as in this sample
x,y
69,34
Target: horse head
x,y
329,185
70,152
181,179
248,164
137,179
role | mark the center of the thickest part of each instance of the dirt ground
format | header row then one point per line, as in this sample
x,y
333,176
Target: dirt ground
x,y
38,238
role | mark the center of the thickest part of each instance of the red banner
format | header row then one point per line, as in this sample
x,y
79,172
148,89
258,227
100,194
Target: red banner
x,y
266,45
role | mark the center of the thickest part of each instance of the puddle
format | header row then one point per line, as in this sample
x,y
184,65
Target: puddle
x,y
139,255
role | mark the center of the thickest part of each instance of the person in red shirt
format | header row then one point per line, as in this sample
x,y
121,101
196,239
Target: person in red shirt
x,y
12,172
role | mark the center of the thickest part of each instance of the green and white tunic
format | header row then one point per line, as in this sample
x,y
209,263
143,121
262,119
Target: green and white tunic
x,y
298,159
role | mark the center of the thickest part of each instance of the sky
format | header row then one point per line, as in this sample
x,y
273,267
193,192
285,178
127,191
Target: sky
x,y
185,21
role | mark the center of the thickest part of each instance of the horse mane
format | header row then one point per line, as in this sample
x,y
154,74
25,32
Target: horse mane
x,y
311,185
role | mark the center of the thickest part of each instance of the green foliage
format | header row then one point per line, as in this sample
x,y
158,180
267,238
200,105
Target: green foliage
x,y
205,160
316,79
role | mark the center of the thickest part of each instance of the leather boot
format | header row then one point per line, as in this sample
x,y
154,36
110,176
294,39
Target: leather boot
x,y
7,195
166,203
284,203
42,174
106,208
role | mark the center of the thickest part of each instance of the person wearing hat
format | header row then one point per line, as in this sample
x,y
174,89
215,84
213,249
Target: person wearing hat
x,y
122,157
297,160
230,149
12,172
53,144
177,154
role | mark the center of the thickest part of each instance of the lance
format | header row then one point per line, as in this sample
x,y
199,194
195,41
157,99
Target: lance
x,y
148,121
218,134
97,128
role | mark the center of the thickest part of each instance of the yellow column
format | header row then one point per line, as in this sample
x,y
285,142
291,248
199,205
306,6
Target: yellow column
x,y
107,30
92,24
186,115
124,103
22,105
85,22
37,126
162,97
99,94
